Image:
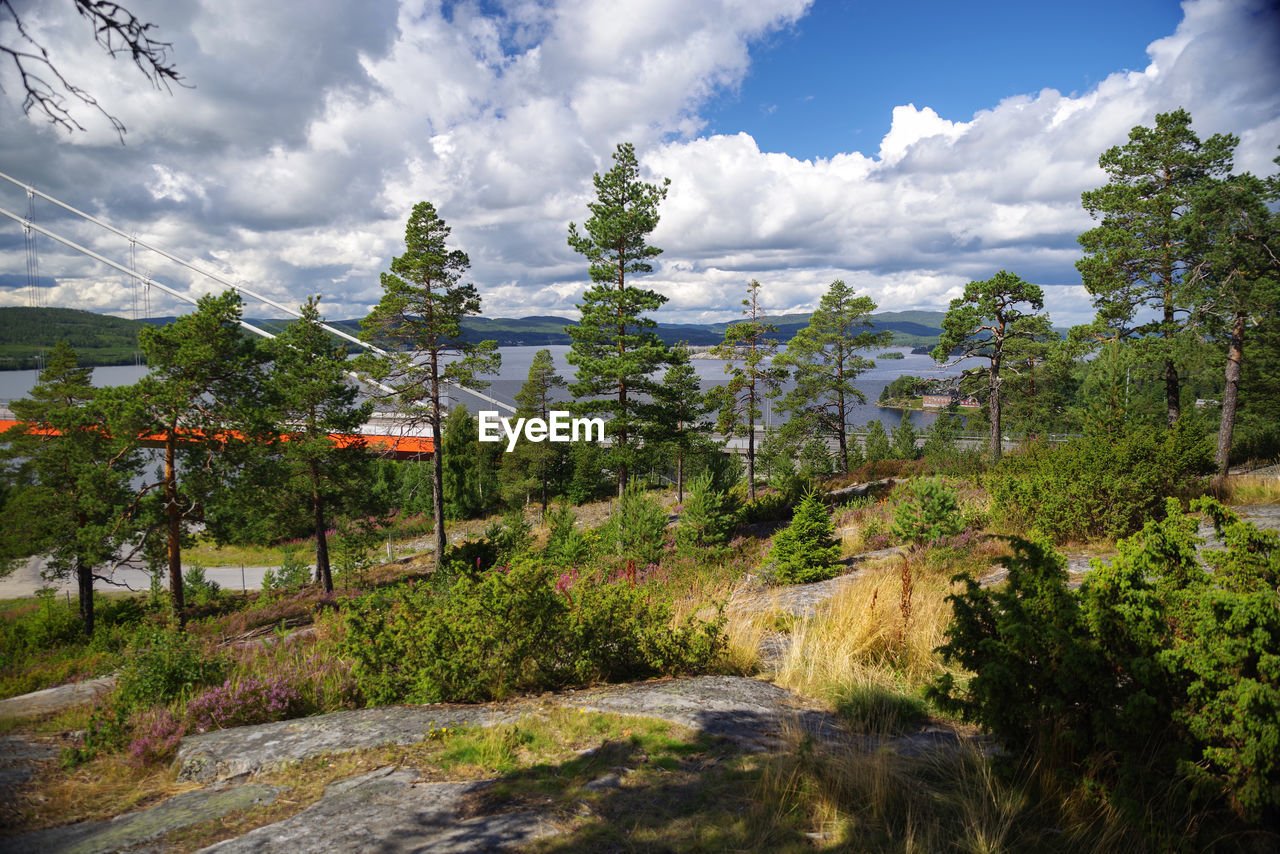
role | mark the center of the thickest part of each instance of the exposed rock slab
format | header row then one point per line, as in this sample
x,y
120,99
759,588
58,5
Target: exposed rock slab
x,y
392,810
51,700
802,600
136,828
227,753
752,714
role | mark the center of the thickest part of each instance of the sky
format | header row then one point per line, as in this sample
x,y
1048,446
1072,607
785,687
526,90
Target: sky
x,y
904,148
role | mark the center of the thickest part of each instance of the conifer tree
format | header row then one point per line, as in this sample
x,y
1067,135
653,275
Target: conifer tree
x,y
904,439
1138,259
984,323
423,303
681,407
824,360
534,400
202,399
748,350
806,550
1236,284
877,442
615,348
69,488
311,398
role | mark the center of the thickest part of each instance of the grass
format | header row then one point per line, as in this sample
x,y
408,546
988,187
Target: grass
x,y
1243,489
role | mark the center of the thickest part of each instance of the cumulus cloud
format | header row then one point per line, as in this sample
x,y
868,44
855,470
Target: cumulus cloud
x,y
313,129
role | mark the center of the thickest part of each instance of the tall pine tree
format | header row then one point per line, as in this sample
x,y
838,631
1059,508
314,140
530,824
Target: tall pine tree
x,y
1138,259
615,348
70,494
825,362
748,351
423,303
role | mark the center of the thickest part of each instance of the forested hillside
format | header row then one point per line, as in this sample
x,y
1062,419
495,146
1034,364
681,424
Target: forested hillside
x,y
98,339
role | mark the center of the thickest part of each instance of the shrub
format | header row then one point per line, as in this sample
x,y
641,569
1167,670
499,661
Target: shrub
x,y
566,545
294,573
1091,488
767,507
806,550
156,735
706,519
928,511
196,589
637,528
1155,669
247,701
163,665
517,630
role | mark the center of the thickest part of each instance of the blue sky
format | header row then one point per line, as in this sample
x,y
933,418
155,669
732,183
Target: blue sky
x,y
829,82
904,148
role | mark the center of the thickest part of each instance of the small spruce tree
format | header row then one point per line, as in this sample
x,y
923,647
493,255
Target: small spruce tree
x,y
806,550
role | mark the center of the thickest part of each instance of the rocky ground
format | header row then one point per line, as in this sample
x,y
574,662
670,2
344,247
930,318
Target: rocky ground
x,y
394,808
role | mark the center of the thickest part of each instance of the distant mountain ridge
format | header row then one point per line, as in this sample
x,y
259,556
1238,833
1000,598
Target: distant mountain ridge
x,y
102,339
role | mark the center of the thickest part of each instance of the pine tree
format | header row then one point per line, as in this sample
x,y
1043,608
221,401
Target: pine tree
x,y
904,439
877,442
825,362
465,479
69,489
1137,261
202,400
747,346
615,348
678,416
311,398
806,550
534,400
421,311
984,323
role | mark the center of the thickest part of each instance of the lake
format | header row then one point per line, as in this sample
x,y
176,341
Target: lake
x,y
515,370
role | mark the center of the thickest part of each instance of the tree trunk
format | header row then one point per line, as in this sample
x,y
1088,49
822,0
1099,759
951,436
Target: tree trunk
x,y
437,461
174,514
324,575
844,442
84,579
994,413
1171,391
751,454
1227,426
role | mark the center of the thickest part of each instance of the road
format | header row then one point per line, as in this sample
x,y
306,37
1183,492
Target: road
x,y
25,580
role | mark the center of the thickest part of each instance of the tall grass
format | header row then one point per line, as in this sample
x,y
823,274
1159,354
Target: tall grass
x,y
1251,489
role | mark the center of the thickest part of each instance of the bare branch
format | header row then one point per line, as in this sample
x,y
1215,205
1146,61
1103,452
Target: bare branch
x,y
118,31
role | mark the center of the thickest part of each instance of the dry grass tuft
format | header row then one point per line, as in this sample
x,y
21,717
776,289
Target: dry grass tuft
x,y
1244,489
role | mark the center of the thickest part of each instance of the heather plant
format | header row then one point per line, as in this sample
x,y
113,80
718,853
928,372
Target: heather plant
x,y
1156,669
157,732
249,700
806,550
927,510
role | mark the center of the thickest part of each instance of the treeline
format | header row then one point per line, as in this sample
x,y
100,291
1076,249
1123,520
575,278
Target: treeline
x,y
98,339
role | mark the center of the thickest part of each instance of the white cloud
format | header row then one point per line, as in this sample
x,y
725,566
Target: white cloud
x,y
314,128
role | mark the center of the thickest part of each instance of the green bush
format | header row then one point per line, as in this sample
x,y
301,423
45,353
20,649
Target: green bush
x,y
1092,488
1155,670
516,630
294,573
767,507
163,665
196,589
806,550
706,519
928,510
637,528
566,545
